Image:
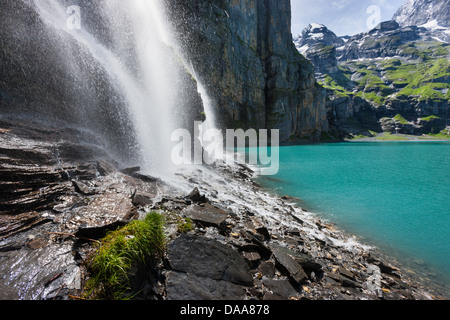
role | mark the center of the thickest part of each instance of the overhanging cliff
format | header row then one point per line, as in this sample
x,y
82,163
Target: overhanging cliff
x,y
242,50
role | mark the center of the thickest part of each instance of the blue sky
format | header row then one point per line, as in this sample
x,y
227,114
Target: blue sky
x,y
343,17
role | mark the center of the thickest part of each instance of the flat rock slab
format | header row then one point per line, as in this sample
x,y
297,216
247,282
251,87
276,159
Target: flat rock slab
x,y
287,264
207,258
38,274
207,215
187,286
104,210
305,261
281,288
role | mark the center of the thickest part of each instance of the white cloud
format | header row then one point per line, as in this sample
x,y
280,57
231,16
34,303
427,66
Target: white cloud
x,y
339,4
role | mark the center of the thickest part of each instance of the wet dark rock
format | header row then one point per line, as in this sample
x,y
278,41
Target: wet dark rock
x,y
145,178
38,190
281,288
80,187
143,198
130,171
267,269
262,249
187,286
72,152
105,168
85,232
293,232
196,197
207,215
264,232
252,258
332,279
346,282
288,266
388,269
346,273
13,224
296,218
208,259
33,272
67,202
307,263
104,210
273,297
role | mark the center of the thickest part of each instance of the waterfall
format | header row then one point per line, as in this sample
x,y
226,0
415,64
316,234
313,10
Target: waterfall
x,y
133,43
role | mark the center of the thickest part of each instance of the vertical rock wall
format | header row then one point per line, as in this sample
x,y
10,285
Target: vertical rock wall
x,y
242,50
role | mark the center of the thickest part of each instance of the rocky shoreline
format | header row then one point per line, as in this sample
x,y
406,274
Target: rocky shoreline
x,y
60,193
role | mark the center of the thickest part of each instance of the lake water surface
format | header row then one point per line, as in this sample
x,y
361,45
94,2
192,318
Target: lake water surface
x,y
394,195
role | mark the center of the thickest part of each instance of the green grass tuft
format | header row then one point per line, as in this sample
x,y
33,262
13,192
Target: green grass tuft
x,y
121,251
185,225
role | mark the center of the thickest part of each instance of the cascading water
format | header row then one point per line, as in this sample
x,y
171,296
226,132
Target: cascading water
x,y
134,46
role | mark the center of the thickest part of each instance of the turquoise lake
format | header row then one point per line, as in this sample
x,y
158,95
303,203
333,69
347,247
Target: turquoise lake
x,y
393,195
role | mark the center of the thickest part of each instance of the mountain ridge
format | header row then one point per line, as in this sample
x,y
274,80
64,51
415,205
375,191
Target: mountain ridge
x,y
420,12
391,72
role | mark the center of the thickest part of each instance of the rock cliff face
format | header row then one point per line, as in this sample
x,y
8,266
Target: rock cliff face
x,y
243,52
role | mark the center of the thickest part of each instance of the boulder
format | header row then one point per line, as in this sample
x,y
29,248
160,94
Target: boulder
x,y
208,259
105,210
82,188
196,197
141,198
206,215
267,269
307,262
288,266
187,286
38,274
252,258
281,288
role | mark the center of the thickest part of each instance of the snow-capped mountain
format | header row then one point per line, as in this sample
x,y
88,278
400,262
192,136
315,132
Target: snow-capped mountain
x,y
318,44
401,67
383,41
316,34
421,12
433,15
425,20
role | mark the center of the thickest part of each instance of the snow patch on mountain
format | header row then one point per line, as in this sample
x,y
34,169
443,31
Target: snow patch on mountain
x,y
420,12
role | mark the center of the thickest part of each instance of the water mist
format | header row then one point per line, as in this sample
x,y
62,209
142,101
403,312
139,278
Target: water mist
x,y
133,44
